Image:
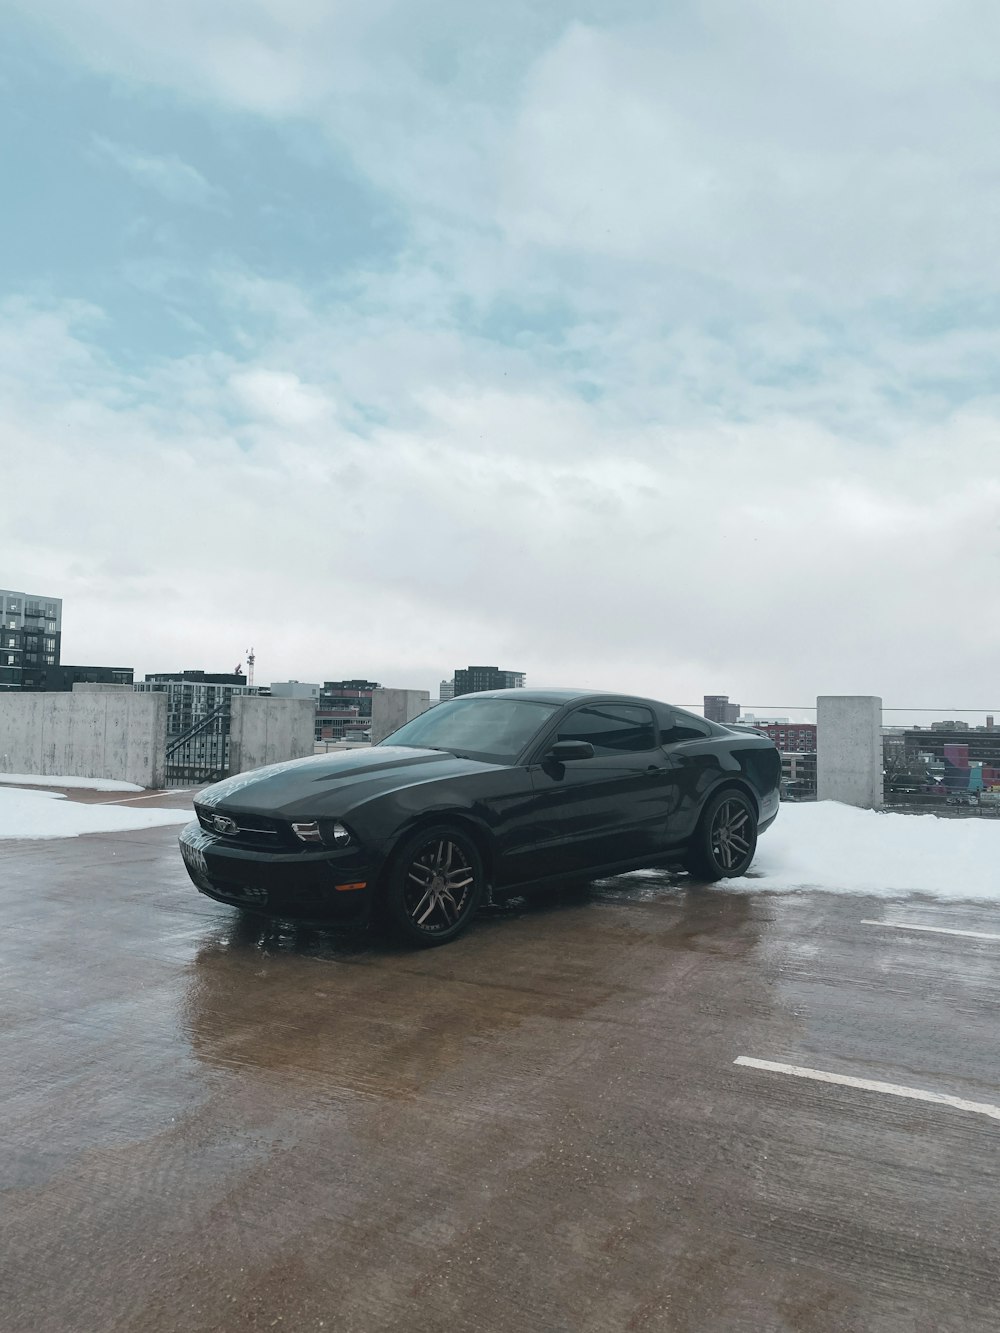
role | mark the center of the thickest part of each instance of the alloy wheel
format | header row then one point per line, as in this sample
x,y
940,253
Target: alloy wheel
x,y
730,834
439,886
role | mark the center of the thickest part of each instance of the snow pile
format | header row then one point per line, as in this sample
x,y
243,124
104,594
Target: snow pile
x,y
838,849
90,784
823,846
48,814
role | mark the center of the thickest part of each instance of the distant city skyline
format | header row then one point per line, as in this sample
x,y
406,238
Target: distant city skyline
x,y
432,681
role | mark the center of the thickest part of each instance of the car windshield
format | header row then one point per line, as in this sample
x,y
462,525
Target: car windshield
x,y
493,729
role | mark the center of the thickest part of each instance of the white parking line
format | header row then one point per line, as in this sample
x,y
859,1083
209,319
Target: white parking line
x,y
153,796
934,930
871,1085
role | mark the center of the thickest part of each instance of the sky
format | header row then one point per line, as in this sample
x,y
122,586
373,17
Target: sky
x,y
634,346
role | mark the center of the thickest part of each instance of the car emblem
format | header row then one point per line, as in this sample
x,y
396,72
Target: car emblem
x,y
223,824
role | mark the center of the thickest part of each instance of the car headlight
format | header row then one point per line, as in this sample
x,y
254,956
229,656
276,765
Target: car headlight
x,y
337,834
330,834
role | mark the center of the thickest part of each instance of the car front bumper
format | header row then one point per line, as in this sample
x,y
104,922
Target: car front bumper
x,y
302,884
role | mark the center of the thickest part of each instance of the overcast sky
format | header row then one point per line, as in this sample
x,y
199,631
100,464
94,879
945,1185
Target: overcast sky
x,y
634,345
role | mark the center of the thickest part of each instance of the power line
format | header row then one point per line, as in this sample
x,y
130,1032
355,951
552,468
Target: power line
x,y
886,708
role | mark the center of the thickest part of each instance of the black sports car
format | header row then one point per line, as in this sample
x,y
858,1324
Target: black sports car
x,y
480,798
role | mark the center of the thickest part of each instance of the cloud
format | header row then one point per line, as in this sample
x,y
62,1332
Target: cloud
x,y
836,149
783,158
281,397
168,176
512,523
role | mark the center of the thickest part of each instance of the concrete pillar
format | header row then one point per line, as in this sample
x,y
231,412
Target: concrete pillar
x,y
391,708
849,749
264,730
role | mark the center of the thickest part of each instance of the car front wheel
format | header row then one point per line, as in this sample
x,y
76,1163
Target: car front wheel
x,y
433,885
726,838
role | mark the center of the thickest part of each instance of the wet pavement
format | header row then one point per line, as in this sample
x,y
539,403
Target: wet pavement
x,y
211,1123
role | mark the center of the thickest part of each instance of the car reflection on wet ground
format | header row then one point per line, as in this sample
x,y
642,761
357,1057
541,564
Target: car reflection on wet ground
x,y
217,1122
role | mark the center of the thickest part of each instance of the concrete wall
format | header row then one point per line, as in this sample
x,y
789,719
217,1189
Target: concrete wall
x,y
391,708
849,749
118,735
269,731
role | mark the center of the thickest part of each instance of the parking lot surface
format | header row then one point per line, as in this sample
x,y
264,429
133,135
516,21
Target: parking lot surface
x,y
213,1123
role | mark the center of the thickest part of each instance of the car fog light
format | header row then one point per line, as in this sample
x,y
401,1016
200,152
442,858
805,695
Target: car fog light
x,y
307,832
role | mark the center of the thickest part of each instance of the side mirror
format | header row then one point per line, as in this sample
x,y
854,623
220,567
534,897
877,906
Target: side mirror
x,y
563,751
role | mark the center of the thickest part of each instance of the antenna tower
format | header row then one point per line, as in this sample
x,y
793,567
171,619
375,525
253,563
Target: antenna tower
x,y
250,662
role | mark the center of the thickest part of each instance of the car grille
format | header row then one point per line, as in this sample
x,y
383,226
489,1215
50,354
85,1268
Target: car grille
x,y
250,830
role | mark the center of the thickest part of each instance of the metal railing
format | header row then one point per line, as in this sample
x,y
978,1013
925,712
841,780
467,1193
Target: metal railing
x,y
933,768
202,725
927,768
181,768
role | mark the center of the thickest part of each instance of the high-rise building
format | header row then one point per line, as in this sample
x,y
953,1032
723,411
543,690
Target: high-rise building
x,y
446,690
469,680
31,648
30,638
718,709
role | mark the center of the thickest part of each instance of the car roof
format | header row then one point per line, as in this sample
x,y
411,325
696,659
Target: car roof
x,y
559,696
564,697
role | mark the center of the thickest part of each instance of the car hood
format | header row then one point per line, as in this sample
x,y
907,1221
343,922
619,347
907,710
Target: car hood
x,y
332,783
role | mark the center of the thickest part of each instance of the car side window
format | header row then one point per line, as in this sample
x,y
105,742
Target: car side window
x,y
611,728
682,727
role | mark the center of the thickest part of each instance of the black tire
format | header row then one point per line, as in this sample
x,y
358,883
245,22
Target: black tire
x,y
726,838
433,885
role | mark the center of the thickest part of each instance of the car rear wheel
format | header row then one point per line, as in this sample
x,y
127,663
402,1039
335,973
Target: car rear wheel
x,y
433,885
726,838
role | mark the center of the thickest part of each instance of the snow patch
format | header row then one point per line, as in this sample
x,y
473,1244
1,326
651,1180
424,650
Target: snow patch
x,y
838,849
824,846
48,814
89,784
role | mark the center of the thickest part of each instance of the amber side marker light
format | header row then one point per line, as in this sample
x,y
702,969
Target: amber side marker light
x,y
346,888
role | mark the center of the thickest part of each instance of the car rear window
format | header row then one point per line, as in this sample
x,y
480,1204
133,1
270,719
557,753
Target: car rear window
x,y
682,727
493,729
